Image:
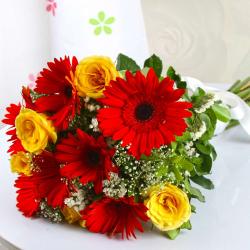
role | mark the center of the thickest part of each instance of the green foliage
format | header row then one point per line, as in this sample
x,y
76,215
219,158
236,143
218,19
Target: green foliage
x,y
176,77
155,63
193,192
186,225
203,181
222,112
172,234
126,63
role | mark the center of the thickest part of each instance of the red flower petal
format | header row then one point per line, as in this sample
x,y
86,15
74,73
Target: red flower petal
x,y
111,216
60,98
13,111
27,196
49,181
141,112
85,157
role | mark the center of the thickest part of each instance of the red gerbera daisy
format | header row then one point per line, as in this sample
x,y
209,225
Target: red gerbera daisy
x,y
46,182
143,112
13,111
112,216
48,179
27,98
57,83
85,157
27,196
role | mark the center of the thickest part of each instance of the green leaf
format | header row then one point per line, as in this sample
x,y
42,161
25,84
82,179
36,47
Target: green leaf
x,y
185,137
214,154
93,21
98,30
202,181
205,167
196,160
186,225
199,92
183,163
110,20
173,145
194,192
126,63
177,173
155,63
212,117
222,113
176,77
233,123
172,234
181,85
101,16
171,74
145,71
209,127
205,149
193,209
107,29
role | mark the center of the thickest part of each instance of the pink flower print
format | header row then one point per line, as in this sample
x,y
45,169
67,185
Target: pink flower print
x,y
51,6
32,80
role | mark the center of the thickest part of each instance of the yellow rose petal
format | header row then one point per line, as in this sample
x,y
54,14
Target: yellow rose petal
x,y
21,163
34,130
168,207
93,74
71,215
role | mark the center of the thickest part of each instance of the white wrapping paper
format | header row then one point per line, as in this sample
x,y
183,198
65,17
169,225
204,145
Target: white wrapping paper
x,y
98,27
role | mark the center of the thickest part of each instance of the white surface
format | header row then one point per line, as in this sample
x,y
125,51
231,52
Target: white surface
x,y
222,223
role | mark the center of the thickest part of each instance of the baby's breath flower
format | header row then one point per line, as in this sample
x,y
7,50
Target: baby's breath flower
x,y
53,214
195,135
94,125
209,100
77,200
114,187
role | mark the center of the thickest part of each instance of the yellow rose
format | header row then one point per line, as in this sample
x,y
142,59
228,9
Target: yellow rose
x,y
34,130
21,163
93,74
168,207
71,215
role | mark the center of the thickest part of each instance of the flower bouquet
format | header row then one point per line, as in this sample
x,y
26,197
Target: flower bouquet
x,y
110,146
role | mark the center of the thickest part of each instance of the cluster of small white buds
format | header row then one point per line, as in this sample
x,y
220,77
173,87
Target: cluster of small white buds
x,y
94,125
209,103
198,134
114,187
76,201
191,151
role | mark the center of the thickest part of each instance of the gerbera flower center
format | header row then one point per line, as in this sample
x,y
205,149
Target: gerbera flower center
x,y
93,157
144,111
68,91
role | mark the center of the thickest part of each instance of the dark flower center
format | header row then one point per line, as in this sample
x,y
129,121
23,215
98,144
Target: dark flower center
x,y
144,111
93,157
68,91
